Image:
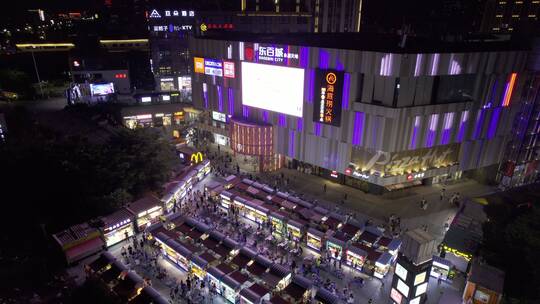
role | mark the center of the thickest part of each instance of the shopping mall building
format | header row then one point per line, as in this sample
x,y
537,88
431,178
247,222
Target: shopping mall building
x,y
377,113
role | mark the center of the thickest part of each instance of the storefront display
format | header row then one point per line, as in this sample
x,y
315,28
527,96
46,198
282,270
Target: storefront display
x,y
198,267
278,222
118,226
355,257
226,199
295,229
177,253
441,268
215,275
335,248
382,265
314,239
232,283
147,209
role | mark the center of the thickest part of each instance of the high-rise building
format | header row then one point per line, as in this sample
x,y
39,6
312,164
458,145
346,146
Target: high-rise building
x,y
522,153
510,16
359,109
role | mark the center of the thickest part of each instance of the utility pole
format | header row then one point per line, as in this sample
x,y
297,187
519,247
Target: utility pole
x,y
37,74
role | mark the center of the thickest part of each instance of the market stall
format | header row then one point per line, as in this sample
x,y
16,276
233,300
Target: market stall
x,y
117,226
382,265
372,258
334,221
244,257
232,284
128,286
214,189
251,211
324,296
258,266
171,195
215,275
441,268
276,278
203,169
368,238
147,211
352,230
335,246
278,219
393,248
254,294
79,241
355,256
240,204
262,211
314,239
227,248
177,253
149,295
200,263
99,265
296,229
227,198
299,290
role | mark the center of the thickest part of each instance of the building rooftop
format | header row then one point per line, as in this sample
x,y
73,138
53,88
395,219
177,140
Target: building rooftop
x,y
487,276
371,42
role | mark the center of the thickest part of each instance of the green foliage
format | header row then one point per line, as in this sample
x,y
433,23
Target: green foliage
x,y
16,81
51,182
512,243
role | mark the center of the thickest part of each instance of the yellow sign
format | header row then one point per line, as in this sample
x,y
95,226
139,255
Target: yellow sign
x,y
199,65
196,157
204,27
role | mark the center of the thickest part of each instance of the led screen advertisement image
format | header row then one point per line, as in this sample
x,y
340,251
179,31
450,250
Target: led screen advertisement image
x,y
274,88
101,89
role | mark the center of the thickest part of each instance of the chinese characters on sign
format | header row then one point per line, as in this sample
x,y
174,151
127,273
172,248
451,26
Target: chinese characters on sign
x,y
275,54
327,108
172,13
199,64
228,69
172,28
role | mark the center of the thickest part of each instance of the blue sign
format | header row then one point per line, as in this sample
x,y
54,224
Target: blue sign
x,y
213,67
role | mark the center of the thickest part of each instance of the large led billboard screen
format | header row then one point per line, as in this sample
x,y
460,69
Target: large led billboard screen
x,y
274,88
101,89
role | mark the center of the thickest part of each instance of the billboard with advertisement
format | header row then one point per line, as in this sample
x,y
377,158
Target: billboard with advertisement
x,y
198,65
101,89
272,53
213,67
274,88
400,163
328,92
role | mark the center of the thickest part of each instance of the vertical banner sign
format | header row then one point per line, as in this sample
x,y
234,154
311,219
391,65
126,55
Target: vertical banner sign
x,y
329,89
198,63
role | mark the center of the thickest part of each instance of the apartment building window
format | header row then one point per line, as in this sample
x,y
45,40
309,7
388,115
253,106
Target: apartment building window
x,y
453,88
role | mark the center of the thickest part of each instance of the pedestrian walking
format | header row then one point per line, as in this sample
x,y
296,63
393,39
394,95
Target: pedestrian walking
x,y
443,191
324,188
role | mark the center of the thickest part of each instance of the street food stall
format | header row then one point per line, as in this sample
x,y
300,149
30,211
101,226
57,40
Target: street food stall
x,y
368,238
99,265
336,246
227,248
393,248
79,241
299,290
314,239
334,221
324,296
147,211
215,275
117,226
352,230
177,253
240,204
128,287
243,258
203,169
230,181
276,278
382,265
227,198
200,263
252,212
258,266
372,258
296,229
213,239
149,295
262,211
254,294
214,189
278,219
110,276
356,256
441,268
171,192
231,285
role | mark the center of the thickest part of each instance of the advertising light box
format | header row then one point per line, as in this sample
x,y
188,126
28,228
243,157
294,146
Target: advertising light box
x,y
213,67
274,88
198,64
420,278
328,94
101,89
403,288
401,272
421,289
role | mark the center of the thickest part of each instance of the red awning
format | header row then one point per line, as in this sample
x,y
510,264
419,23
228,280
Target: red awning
x,y
84,249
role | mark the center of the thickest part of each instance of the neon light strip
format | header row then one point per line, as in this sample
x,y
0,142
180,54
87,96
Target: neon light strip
x,y
300,124
447,126
346,89
265,116
231,101
317,128
463,124
509,89
479,123
291,143
358,128
432,133
418,65
493,123
220,98
434,64
324,59
414,136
